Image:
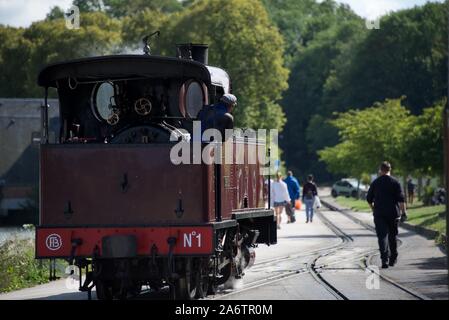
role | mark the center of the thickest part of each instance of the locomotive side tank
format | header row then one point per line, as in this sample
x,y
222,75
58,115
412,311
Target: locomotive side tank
x,y
114,204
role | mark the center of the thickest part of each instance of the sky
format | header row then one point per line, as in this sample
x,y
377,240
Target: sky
x,y
372,9
21,13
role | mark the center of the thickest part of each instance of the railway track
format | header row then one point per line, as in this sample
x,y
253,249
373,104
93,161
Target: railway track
x,y
368,259
309,262
315,268
312,266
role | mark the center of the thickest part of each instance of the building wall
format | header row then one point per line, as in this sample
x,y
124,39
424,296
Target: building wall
x,y
19,158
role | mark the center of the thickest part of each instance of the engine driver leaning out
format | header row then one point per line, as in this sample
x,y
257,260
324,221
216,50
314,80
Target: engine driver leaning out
x,y
219,116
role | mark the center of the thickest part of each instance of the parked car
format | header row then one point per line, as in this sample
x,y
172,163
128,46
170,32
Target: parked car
x,y
348,188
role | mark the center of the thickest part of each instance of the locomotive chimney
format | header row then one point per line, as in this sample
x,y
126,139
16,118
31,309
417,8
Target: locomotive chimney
x,y
196,52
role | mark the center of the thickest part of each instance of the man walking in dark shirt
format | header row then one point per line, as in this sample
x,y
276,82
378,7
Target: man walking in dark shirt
x,y
387,201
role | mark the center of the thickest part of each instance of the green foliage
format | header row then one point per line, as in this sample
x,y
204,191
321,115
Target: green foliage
x,y
427,195
430,217
433,217
387,131
55,13
365,179
243,41
88,5
15,53
50,41
406,56
320,133
335,65
424,143
137,26
312,71
18,268
368,137
241,36
299,21
123,8
353,204
344,66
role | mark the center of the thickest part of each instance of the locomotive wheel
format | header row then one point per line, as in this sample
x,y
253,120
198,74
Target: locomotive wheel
x,y
135,289
225,273
185,289
212,288
104,290
203,282
107,290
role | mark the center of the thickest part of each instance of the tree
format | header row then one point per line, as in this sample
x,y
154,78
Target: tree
x,y
424,145
55,13
341,159
320,133
299,21
26,51
244,42
388,131
406,56
123,8
311,72
15,54
370,136
341,66
135,27
89,5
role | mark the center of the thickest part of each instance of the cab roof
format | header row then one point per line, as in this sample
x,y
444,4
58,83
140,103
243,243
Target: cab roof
x,y
123,66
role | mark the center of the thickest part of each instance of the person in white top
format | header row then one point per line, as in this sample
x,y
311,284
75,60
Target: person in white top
x,y
279,197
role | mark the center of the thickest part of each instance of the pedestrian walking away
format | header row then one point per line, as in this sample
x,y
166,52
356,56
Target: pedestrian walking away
x,y
279,197
294,191
410,190
387,201
309,192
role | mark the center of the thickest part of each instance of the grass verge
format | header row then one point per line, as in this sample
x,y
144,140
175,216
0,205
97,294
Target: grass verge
x,y
353,204
18,267
433,217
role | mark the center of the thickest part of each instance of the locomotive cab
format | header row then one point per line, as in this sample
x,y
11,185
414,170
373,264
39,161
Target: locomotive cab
x,y
112,201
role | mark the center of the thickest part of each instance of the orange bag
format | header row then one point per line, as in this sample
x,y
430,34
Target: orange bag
x,y
298,204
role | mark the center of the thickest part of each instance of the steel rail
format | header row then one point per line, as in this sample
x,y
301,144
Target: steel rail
x,y
368,259
311,267
314,268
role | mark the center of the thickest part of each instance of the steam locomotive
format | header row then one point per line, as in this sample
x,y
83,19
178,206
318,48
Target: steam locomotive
x,y
111,201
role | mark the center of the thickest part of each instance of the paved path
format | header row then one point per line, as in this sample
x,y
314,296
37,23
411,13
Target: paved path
x,y
342,269
281,271
293,239
422,265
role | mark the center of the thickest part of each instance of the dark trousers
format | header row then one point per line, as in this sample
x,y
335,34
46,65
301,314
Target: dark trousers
x,y
387,232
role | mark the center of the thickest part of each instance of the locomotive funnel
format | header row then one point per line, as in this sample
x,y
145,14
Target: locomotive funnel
x,y
197,52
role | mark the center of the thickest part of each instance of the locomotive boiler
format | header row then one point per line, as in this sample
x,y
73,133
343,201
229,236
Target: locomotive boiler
x,y
113,203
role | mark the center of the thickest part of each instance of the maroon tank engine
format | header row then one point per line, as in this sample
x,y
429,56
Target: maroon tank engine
x,y
111,201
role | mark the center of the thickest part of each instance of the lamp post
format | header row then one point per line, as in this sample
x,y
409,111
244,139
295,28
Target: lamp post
x,y
446,172
446,165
